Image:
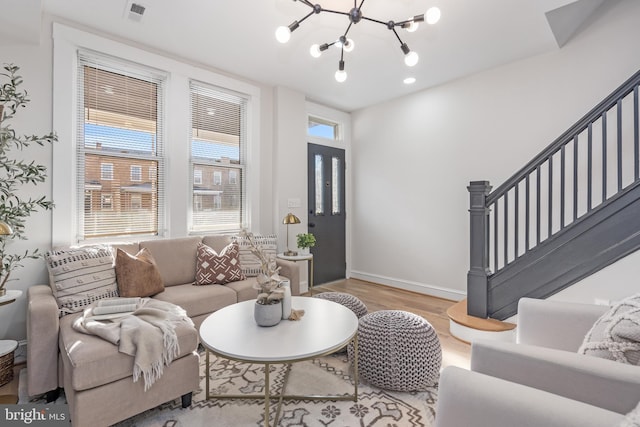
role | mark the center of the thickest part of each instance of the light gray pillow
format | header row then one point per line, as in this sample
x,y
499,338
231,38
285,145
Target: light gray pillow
x,y
616,334
80,276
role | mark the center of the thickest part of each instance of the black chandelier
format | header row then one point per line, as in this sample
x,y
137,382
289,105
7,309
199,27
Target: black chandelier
x,y
283,34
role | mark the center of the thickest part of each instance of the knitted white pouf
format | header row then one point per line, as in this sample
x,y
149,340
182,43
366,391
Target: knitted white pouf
x,y
352,303
397,350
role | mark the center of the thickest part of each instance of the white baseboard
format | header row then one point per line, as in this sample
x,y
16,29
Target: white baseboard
x,y
422,288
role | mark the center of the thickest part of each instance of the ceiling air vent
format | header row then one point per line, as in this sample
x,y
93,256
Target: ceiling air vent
x,y
134,11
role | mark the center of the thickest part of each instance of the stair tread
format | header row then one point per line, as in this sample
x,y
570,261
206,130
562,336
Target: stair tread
x,y
458,313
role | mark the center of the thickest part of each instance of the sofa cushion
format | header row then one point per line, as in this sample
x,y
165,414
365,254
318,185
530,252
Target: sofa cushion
x,y
616,334
175,258
244,288
137,275
250,263
80,276
197,300
96,361
214,268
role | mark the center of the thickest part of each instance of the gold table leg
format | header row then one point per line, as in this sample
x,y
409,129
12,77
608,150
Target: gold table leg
x,y
267,396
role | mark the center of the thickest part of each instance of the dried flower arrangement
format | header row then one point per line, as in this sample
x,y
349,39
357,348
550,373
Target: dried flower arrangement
x,y
269,282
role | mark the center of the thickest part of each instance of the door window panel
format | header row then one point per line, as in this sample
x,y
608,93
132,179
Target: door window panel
x,y
336,180
319,176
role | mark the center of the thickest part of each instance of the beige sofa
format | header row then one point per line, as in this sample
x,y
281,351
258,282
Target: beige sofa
x,y
97,379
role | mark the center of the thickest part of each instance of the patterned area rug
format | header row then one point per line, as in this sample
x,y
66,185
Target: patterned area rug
x,y
321,376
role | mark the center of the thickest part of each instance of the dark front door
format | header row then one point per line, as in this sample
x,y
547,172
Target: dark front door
x,y
326,212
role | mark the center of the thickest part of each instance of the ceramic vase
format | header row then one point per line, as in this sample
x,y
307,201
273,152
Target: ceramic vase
x,y
267,314
304,251
286,300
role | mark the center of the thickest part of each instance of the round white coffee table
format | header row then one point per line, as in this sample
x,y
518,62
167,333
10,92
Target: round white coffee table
x,y
325,328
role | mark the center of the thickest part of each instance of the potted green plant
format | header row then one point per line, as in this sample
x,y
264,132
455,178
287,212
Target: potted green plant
x,y
16,172
305,241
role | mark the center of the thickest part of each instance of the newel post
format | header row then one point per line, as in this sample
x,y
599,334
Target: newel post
x,y
477,286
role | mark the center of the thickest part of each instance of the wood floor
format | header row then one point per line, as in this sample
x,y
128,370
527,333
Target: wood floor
x,y
434,310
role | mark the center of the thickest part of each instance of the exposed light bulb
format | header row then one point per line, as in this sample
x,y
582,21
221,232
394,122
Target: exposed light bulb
x,y
283,34
314,50
412,26
411,59
349,45
432,15
341,76
409,80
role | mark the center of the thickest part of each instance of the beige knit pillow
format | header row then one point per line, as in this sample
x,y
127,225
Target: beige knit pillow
x,y
616,334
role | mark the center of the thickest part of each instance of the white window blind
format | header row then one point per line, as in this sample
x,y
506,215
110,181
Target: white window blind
x,y
120,110
218,144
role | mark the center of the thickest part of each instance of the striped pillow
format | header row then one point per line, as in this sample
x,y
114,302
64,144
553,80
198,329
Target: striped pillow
x,y
249,263
80,276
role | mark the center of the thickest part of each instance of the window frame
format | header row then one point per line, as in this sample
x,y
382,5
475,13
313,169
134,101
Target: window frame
x,y
217,178
197,173
137,177
67,41
106,171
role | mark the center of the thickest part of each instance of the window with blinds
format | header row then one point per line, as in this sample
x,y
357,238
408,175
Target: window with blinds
x,y
218,142
119,149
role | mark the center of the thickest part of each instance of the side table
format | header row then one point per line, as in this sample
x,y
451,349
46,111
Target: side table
x,y
296,258
8,346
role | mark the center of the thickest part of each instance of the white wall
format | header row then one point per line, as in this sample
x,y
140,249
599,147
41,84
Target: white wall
x,y
36,62
414,157
35,68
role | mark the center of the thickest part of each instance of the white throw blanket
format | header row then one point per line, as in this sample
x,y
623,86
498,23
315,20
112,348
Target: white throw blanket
x,y
148,334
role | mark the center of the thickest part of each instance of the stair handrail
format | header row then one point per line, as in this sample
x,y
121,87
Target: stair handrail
x,y
565,138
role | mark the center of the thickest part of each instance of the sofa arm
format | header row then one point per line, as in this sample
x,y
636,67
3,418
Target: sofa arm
x,y
468,398
555,324
42,340
291,271
600,382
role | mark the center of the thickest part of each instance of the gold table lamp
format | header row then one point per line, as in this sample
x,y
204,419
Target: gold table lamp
x,y
290,219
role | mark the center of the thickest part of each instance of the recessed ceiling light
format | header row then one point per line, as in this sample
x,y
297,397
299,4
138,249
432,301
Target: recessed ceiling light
x,y
409,80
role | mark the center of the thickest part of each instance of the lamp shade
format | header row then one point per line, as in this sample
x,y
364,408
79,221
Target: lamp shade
x,y
291,219
5,229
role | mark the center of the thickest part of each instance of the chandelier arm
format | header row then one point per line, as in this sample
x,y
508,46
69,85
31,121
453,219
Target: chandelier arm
x,y
306,16
397,36
375,20
338,12
308,3
348,29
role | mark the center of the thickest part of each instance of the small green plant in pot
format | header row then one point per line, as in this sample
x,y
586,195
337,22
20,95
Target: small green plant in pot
x,y
15,208
305,241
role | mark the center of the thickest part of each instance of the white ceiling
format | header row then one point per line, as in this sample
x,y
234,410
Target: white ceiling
x,y
238,37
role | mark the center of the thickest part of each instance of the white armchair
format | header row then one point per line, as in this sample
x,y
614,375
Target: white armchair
x,y
540,380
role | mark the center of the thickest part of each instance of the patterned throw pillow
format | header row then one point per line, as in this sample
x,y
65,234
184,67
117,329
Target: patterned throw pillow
x,y
137,275
616,334
214,268
250,263
80,276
